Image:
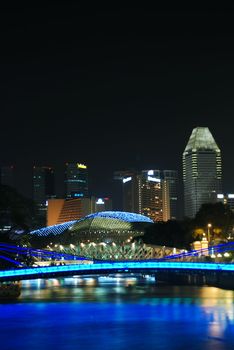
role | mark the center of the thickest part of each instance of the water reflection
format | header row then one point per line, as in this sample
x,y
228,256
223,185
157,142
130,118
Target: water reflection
x,y
118,313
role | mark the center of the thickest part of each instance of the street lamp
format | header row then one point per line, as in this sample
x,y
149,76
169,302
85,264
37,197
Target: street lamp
x,y
208,232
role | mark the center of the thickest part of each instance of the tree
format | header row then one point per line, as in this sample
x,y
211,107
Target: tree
x,y
171,233
220,216
16,211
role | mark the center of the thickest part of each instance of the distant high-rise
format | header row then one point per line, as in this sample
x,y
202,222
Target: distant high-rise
x,y
130,190
7,176
170,195
76,181
202,171
150,192
43,184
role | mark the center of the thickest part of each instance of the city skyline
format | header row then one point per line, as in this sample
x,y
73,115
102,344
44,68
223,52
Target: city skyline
x,y
116,175
60,176
113,88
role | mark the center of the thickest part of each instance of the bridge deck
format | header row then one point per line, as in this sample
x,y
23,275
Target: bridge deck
x,y
110,267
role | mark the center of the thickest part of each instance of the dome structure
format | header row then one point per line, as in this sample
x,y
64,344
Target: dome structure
x,y
108,226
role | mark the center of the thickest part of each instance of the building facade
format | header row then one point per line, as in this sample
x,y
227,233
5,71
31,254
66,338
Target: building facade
x,y
202,171
65,210
150,192
170,195
226,199
100,204
76,180
43,184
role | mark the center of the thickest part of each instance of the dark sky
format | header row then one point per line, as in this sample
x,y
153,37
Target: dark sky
x,y
113,88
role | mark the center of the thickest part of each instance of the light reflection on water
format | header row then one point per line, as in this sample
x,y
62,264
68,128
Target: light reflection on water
x,y
117,313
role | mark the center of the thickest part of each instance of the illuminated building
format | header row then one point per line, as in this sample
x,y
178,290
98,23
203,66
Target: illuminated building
x,y
7,176
76,180
202,170
43,184
100,204
227,199
64,210
130,189
150,192
107,227
199,245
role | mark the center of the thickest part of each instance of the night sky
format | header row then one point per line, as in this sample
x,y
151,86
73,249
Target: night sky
x,y
113,88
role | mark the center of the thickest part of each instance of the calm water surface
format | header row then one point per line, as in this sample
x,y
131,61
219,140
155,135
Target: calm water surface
x,y
116,313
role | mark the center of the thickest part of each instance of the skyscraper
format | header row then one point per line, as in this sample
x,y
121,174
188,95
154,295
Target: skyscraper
x,y
130,189
7,175
153,193
43,184
76,180
150,194
202,170
170,195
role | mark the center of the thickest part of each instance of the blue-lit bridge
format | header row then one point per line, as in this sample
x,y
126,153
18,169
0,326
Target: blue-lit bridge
x,y
109,268
176,265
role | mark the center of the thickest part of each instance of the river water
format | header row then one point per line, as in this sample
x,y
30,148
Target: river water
x,y
117,313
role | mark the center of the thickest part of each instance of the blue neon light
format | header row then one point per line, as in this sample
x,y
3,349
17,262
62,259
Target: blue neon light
x,y
53,230
109,266
11,260
121,215
212,249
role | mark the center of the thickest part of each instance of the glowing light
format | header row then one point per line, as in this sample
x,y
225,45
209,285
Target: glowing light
x,y
81,166
220,196
100,201
121,215
78,195
154,179
53,230
150,172
127,179
121,266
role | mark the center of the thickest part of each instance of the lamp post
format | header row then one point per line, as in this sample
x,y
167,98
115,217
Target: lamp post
x,y
208,232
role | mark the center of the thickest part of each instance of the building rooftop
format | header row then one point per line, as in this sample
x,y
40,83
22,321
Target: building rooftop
x,y
105,220
201,138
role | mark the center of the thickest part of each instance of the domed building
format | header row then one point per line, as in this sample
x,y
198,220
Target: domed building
x,y
104,235
108,227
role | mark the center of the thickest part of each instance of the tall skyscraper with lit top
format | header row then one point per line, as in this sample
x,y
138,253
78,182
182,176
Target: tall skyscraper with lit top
x,y
202,171
76,180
